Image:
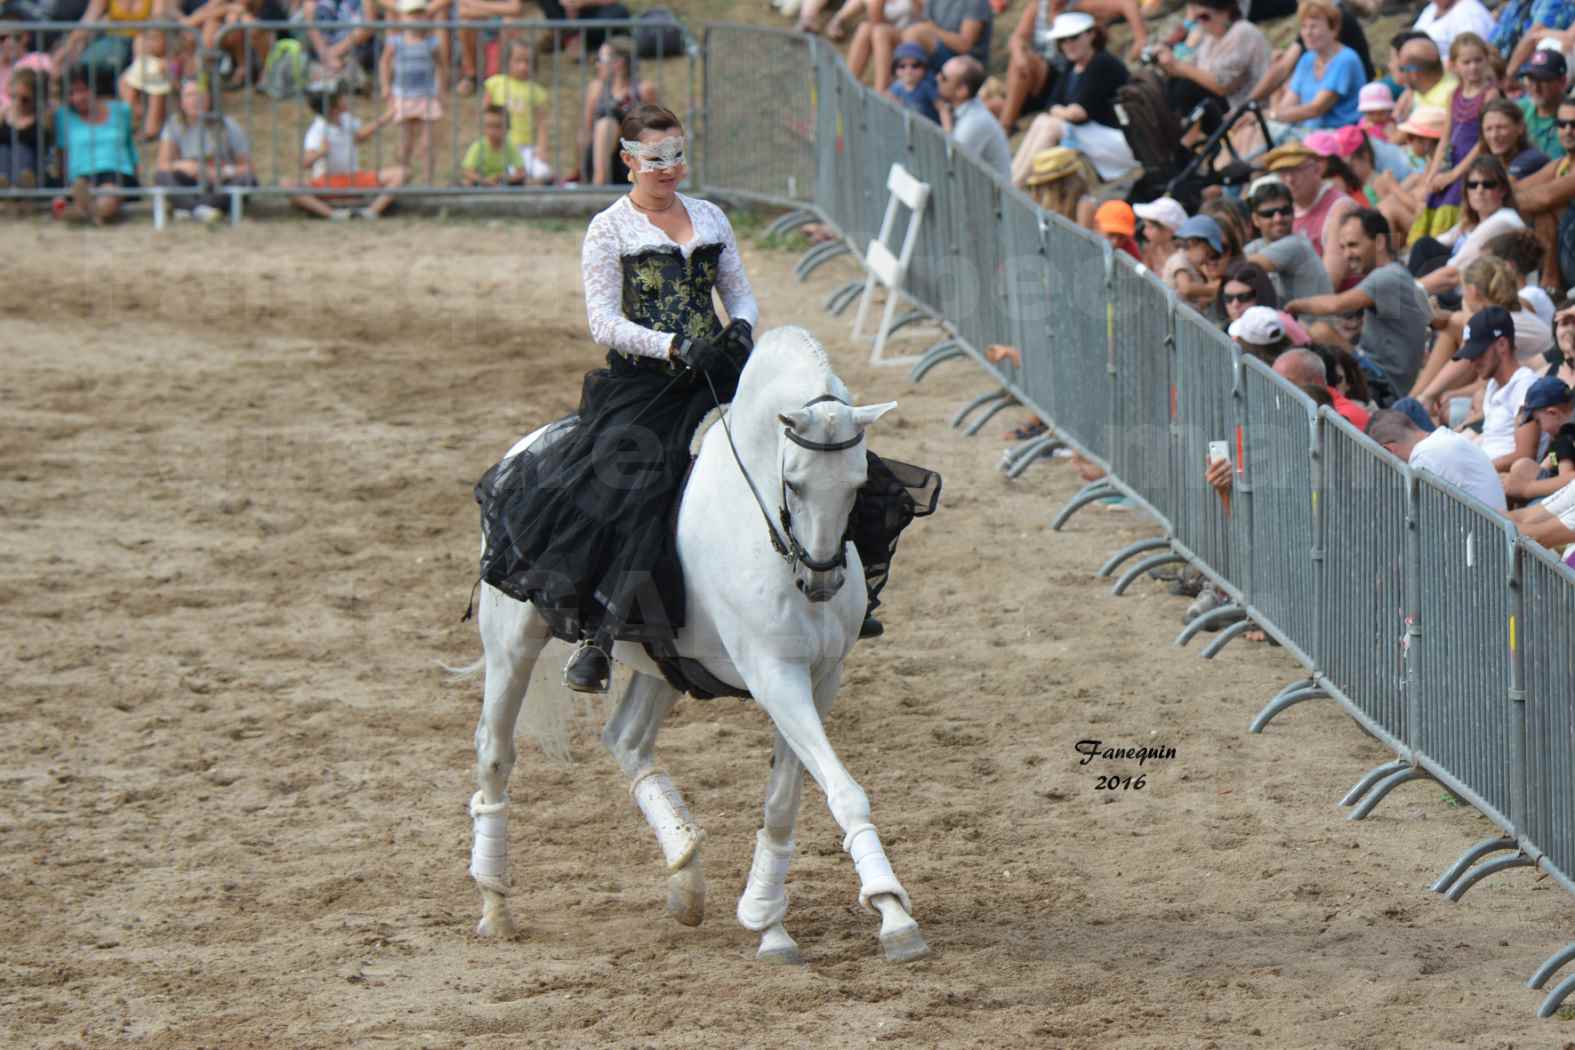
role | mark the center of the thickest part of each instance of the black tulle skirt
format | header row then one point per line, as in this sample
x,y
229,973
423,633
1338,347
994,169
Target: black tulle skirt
x,y
582,523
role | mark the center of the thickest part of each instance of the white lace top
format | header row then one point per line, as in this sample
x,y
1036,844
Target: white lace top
x,y
621,230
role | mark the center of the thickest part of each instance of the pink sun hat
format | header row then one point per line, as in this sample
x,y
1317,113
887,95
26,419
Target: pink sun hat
x,y
1339,143
1375,96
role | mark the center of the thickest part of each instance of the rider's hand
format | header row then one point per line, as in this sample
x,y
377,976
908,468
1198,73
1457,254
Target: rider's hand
x,y
738,338
702,355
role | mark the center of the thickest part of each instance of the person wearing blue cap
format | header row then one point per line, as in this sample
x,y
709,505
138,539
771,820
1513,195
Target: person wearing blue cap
x,y
1489,345
913,86
1549,406
1203,240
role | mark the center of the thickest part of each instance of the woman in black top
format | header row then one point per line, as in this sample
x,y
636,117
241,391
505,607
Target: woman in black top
x,y
1082,112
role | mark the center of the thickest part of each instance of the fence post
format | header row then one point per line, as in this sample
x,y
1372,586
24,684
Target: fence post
x,y
1320,585
1413,641
1114,400
1243,533
1517,684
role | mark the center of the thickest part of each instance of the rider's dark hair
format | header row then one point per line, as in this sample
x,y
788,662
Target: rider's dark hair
x,y
648,117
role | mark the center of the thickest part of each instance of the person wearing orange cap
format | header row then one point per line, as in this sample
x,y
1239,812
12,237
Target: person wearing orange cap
x,y
1117,223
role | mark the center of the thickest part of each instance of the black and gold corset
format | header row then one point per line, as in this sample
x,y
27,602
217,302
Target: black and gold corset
x,y
668,293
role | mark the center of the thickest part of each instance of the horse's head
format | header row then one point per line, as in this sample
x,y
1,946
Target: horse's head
x,y
823,465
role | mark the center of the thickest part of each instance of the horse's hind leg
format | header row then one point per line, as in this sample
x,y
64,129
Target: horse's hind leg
x,y
764,902
631,737
513,635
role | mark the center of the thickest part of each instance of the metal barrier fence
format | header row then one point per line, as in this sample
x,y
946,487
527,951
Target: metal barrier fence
x,y
1434,624
562,109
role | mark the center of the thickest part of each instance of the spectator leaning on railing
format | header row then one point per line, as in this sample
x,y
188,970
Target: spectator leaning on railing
x,y
1442,452
199,148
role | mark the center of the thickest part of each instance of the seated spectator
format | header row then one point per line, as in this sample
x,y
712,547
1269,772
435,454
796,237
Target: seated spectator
x,y
1468,57
1522,253
1395,311
241,48
1319,206
493,159
1030,66
1504,137
1376,103
1234,218
1296,267
1082,114
1551,522
897,13
111,48
1209,255
1555,226
1323,88
1487,281
468,42
966,119
1550,28
1447,21
145,85
1561,359
1403,200
1489,347
1059,182
1441,452
1259,334
1117,224
1105,14
573,42
913,87
946,29
1550,406
1419,70
1231,55
25,140
1546,77
525,103
202,150
608,99
1306,369
98,139
1489,211
1245,286
1159,220
347,52
330,156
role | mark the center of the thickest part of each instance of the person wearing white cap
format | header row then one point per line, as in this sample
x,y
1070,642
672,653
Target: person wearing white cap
x,y
1258,332
1082,113
1161,219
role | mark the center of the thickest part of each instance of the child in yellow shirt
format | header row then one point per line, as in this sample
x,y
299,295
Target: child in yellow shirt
x,y
526,103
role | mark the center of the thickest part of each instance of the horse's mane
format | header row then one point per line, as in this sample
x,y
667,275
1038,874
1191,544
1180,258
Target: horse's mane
x,y
790,351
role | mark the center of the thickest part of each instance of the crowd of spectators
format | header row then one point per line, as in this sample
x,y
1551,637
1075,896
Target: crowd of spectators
x,y
76,107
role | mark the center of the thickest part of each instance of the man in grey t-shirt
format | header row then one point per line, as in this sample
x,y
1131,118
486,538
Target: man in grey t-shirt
x,y
200,147
949,28
1289,258
1395,308
967,119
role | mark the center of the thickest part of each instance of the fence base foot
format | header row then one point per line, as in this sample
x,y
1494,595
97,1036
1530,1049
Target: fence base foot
x,y
1214,617
1374,775
967,410
1468,858
1097,489
1115,560
943,351
838,301
819,256
1153,561
1226,636
1550,1005
789,222
1023,456
1555,962
1007,401
1383,787
911,317
1492,867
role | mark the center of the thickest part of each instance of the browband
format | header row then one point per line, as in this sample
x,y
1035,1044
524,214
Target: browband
x,y
822,446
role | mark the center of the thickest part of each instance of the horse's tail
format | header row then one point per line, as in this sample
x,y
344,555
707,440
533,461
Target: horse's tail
x,y
470,670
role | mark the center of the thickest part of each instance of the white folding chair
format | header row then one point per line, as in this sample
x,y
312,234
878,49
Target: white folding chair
x,y
888,269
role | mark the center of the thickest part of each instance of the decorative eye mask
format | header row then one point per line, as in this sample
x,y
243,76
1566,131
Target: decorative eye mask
x,y
656,156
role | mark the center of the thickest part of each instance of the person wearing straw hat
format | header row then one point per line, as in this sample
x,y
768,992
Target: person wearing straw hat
x,y
1082,113
1059,180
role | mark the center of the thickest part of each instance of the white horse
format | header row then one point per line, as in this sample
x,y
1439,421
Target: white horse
x,y
779,624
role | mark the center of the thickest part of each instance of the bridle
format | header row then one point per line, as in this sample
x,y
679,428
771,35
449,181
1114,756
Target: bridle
x,y
786,544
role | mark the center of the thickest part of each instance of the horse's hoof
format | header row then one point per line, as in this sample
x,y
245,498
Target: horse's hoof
x,y
785,955
497,927
904,945
686,894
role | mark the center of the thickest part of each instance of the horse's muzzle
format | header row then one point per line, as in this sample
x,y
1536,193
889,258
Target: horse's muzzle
x,y
822,587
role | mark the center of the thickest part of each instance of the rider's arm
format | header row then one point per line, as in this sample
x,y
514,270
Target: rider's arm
x,y
731,282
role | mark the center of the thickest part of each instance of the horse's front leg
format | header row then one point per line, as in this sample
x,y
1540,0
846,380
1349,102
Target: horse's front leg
x,y
631,738
763,905
513,636
795,709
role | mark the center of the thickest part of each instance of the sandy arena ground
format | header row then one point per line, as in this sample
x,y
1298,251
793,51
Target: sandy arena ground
x,y
235,475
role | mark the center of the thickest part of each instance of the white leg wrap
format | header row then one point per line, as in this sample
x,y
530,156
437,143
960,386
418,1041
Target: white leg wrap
x,y
489,844
665,811
764,902
869,860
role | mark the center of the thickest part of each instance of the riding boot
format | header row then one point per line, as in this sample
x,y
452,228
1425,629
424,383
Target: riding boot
x,y
588,670
871,628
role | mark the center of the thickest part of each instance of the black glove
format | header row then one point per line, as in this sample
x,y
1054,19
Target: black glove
x,y
739,339
702,355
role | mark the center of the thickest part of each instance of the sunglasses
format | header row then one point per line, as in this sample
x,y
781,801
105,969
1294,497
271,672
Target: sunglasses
x,y
1276,213
1411,67
910,64
1240,297
1475,184
1564,322
1565,123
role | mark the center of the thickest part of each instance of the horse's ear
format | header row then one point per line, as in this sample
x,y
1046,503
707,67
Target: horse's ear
x,y
864,415
798,419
